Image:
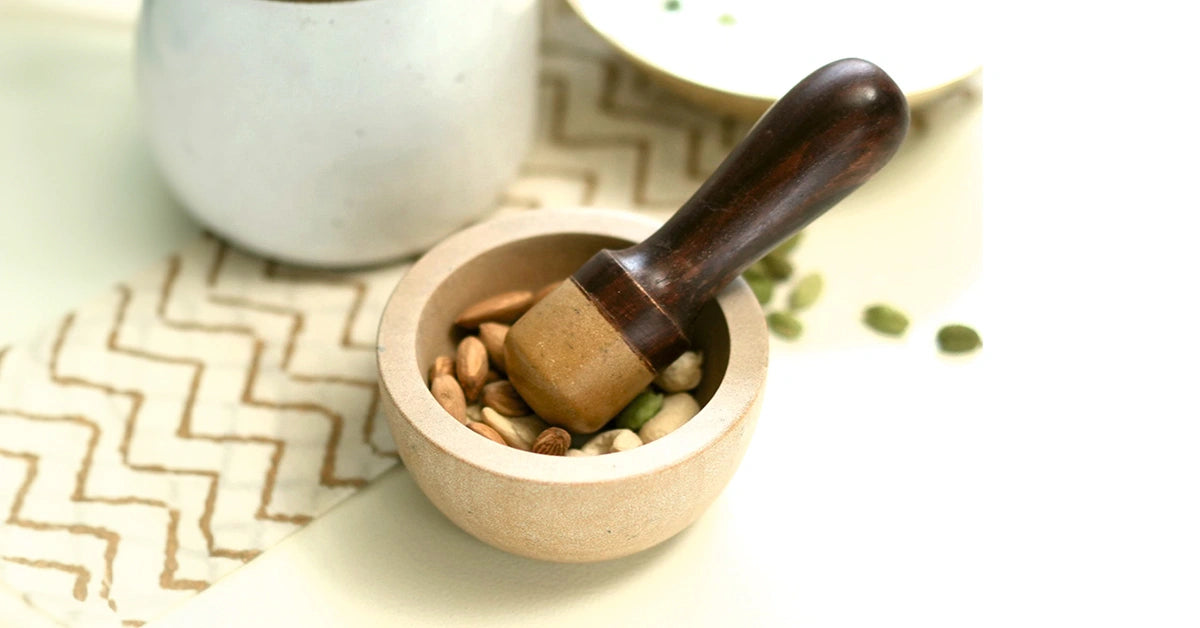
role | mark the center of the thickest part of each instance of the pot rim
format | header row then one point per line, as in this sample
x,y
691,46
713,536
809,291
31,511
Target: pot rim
x,y
401,377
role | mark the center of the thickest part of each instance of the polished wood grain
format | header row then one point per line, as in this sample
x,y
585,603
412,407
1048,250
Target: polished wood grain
x,y
818,143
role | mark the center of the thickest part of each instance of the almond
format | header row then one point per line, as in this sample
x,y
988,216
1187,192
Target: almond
x,y
450,395
505,307
486,431
442,365
553,441
471,366
503,398
492,376
518,431
545,290
492,335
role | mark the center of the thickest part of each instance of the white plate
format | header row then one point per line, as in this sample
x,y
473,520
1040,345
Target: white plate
x,y
742,55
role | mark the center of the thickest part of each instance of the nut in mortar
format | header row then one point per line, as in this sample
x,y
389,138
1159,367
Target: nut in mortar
x,y
492,335
472,387
553,441
677,409
471,366
682,374
505,307
486,431
442,365
518,431
611,441
503,398
450,396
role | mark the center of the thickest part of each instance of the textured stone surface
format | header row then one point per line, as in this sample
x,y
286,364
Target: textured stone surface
x,y
565,377
566,509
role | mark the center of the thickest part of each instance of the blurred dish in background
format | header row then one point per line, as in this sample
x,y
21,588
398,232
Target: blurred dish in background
x,y
739,56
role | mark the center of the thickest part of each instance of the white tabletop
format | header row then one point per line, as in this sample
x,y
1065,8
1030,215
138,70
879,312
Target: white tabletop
x,y
82,206
881,487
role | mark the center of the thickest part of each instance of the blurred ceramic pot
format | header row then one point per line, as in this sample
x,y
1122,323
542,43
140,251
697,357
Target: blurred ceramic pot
x,y
337,133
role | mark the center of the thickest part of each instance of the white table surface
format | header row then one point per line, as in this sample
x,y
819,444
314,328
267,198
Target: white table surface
x,y
886,484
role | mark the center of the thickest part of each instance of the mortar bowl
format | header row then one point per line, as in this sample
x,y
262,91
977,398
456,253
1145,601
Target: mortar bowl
x,y
555,508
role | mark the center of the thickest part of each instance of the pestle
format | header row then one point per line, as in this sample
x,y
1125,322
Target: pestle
x,y
590,346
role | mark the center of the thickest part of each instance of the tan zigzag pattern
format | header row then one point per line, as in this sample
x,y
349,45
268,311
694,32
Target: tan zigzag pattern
x,y
168,432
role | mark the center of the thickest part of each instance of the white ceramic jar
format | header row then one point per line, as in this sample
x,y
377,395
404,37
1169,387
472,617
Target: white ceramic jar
x,y
338,133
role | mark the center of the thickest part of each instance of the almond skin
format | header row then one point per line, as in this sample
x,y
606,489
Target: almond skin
x,y
503,398
505,307
471,366
450,395
486,431
517,431
553,441
492,335
442,365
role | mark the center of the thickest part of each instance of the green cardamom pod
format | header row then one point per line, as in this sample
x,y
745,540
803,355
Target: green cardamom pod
x,y
958,339
641,409
757,269
763,287
776,267
885,320
805,292
784,324
787,245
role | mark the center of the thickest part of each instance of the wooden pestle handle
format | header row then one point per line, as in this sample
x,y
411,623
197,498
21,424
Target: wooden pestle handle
x,y
815,145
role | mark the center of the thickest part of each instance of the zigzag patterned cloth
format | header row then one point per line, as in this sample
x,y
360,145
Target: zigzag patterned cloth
x,y
163,435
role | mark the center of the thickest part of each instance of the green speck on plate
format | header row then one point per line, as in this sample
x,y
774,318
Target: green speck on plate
x,y
671,5
727,19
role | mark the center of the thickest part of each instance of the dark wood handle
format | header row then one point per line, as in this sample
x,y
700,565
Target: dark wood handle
x,y
818,143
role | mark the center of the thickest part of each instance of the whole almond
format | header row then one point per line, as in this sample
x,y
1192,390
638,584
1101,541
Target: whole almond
x,y
505,307
471,366
503,398
545,290
486,431
553,441
517,431
492,335
450,395
442,365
